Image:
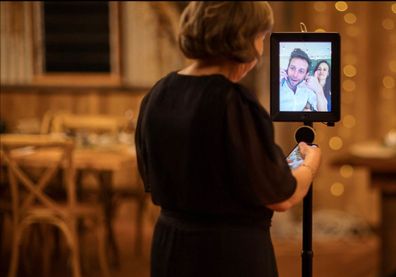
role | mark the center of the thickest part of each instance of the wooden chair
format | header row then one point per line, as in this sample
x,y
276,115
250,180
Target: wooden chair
x,y
111,125
63,122
31,204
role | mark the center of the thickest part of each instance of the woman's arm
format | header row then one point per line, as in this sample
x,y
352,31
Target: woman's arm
x,y
304,175
313,84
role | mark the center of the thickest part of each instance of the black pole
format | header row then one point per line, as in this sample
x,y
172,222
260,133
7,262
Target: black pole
x,y
307,253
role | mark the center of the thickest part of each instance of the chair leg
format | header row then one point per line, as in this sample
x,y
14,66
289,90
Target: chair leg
x,y
101,236
139,227
15,252
46,250
72,241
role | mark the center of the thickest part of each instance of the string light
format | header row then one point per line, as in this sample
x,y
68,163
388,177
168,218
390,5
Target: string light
x,y
388,24
350,18
348,85
388,82
349,121
337,189
335,143
341,6
319,6
346,171
350,70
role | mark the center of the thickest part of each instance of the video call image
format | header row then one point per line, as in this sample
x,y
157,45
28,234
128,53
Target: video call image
x,y
305,77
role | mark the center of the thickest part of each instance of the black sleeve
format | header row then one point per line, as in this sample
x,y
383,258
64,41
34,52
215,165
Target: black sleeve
x,y
141,149
258,168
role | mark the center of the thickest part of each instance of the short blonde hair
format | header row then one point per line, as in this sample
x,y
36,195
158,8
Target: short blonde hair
x,y
225,30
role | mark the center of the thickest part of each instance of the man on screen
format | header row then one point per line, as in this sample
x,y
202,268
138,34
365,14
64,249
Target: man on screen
x,y
298,90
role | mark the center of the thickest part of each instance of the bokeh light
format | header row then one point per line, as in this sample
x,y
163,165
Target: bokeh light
x,y
346,171
388,24
388,82
319,6
341,6
348,85
320,30
350,18
349,121
337,189
393,8
335,143
350,70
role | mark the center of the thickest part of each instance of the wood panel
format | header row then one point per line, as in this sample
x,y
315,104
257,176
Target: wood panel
x,y
35,102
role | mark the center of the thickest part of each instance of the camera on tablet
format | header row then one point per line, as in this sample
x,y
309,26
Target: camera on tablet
x,y
305,77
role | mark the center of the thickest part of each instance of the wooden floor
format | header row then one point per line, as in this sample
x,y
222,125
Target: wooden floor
x,y
341,258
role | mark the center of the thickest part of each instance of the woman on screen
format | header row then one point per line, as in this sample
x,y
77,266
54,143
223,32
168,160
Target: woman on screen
x,y
322,73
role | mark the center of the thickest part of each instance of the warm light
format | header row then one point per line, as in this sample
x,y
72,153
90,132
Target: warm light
x,y
347,97
341,6
349,85
335,143
349,121
319,6
337,189
393,8
388,82
392,66
388,24
350,18
352,31
346,171
349,70
320,30
387,93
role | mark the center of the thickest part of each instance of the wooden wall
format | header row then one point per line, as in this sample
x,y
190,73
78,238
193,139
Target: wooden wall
x,y
147,48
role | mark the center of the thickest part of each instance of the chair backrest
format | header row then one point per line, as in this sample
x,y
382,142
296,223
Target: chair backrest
x,y
40,152
64,122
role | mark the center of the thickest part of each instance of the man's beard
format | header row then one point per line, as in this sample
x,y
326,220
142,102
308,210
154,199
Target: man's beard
x,y
293,87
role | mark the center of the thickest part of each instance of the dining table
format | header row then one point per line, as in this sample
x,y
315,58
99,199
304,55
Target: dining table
x,y
380,162
104,161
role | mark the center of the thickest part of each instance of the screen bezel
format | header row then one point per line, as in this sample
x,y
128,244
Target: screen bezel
x,y
276,114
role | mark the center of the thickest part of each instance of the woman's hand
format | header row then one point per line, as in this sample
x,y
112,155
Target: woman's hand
x,y
311,154
313,83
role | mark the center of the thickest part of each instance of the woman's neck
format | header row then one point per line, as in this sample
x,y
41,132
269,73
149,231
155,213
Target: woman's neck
x,y
202,68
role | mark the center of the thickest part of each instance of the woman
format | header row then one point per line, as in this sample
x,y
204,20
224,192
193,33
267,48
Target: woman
x,y
206,151
322,73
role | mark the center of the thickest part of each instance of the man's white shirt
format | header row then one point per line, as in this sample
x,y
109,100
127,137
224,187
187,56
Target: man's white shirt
x,y
290,101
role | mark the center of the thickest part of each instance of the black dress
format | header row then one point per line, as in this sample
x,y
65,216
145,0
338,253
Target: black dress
x,y
206,152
